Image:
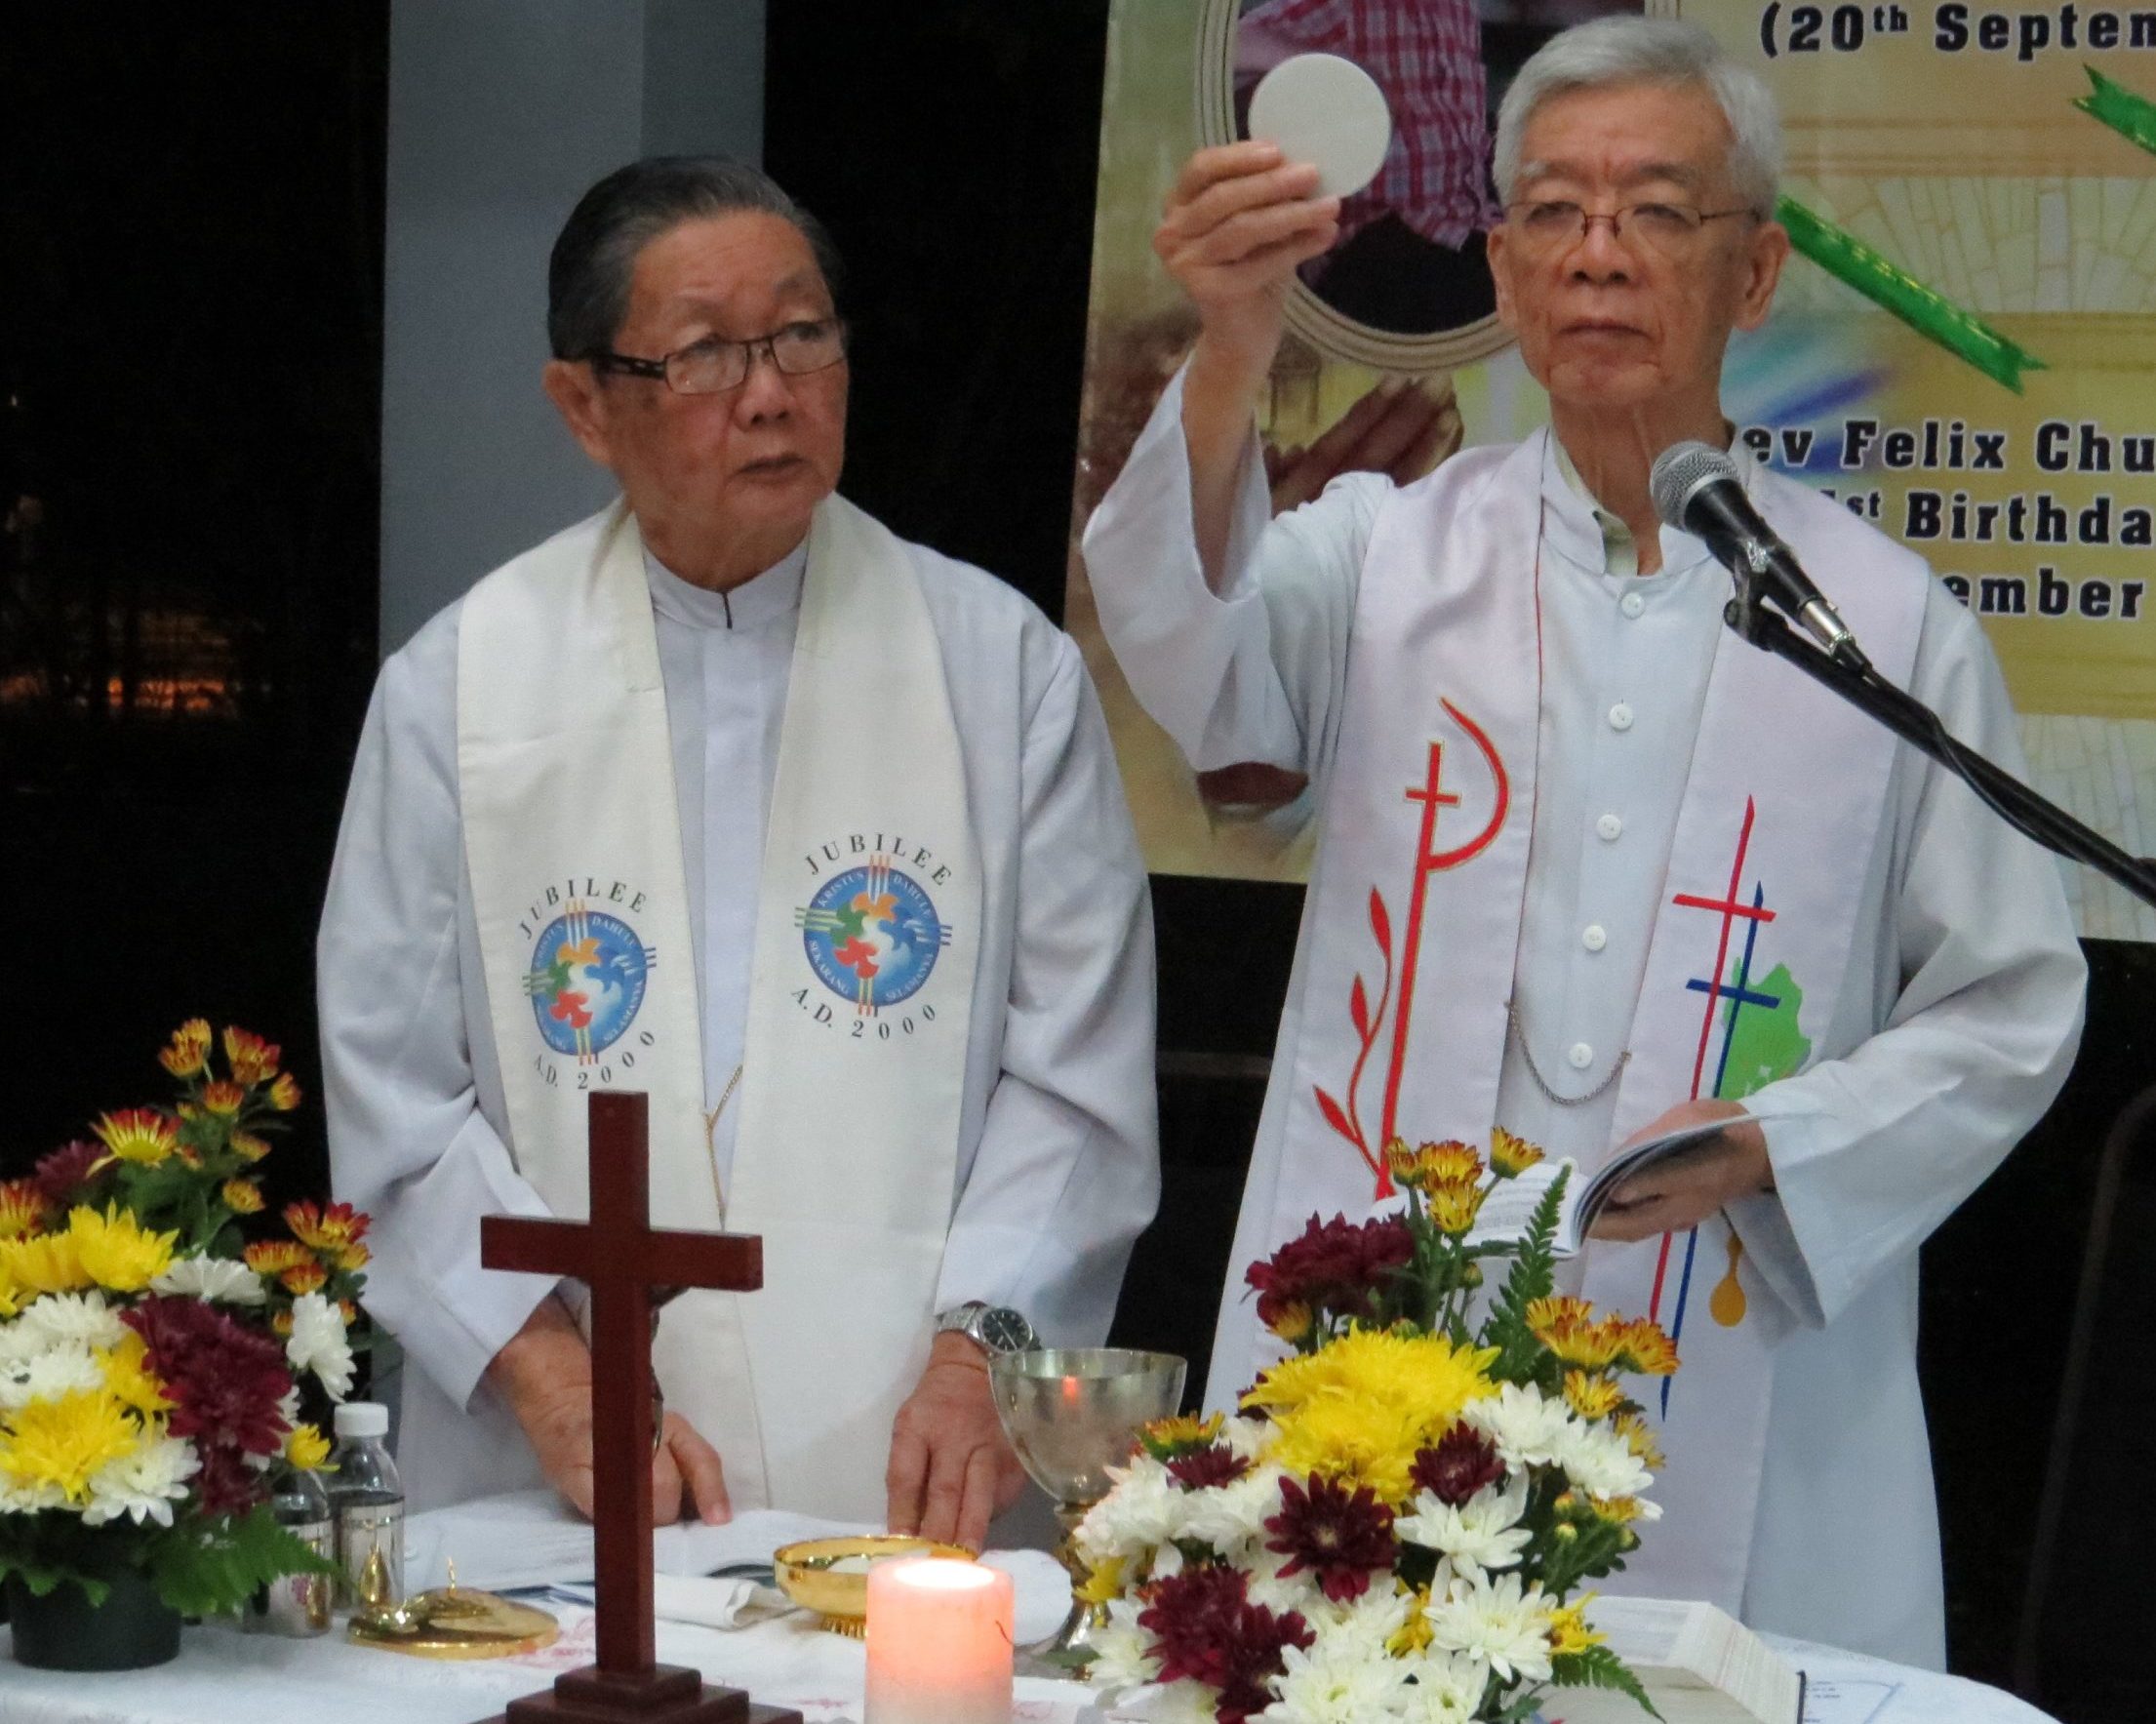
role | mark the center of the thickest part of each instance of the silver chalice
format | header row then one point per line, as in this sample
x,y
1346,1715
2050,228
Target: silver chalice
x,y
1072,1413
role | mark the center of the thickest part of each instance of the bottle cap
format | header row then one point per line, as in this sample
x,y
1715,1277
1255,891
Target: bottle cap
x,y
362,1419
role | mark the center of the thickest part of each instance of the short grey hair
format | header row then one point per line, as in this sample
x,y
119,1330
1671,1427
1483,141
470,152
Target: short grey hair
x,y
594,256
1614,51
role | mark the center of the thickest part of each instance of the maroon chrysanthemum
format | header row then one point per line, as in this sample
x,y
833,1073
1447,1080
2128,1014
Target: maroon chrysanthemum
x,y
225,1382
1202,1470
62,1174
1340,1535
1204,1628
1336,1266
1463,1464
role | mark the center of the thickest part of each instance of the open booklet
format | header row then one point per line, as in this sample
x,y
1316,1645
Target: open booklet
x,y
1698,1665
1509,1209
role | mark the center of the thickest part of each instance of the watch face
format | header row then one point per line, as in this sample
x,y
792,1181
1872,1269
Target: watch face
x,y
1005,1331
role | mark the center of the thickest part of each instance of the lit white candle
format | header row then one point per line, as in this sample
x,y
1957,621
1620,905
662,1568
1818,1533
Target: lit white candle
x,y
938,1643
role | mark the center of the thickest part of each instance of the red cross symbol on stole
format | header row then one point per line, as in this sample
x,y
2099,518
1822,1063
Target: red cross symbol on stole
x,y
621,1258
1731,908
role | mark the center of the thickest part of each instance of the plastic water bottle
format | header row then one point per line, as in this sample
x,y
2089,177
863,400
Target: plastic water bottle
x,y
367,1504
298,1605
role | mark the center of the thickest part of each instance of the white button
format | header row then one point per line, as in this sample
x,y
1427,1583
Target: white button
x,y
1621,717
1580,1055
1632,603
1594,938
1609,828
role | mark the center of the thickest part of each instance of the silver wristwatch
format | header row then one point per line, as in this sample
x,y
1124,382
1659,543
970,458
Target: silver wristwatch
x,y
996,1328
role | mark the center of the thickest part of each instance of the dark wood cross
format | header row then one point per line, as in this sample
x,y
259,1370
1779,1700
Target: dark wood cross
x,y
622,1258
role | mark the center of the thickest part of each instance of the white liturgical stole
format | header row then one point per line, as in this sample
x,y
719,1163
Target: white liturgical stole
x,y
868,928
1412,923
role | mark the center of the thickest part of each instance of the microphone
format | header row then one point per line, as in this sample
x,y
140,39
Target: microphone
x,y
1697,489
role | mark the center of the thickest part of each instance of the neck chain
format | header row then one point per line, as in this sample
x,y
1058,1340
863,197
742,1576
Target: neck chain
x,y
711,1139
1541,1083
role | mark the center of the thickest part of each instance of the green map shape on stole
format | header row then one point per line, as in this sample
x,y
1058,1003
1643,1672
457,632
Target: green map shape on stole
x,y
1767,1046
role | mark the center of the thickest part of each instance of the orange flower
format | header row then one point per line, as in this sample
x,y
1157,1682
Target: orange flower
x,y
21,1209
249,1146
1509,1156
273,1256
253,1060
1639,1437
224,1099
190,1049
352,1256
284,1091
1642,1347
348,1311
1592,1397
1453,1205
243,1197
327,1229
307,1277
281,1323
1450,1162
140,1134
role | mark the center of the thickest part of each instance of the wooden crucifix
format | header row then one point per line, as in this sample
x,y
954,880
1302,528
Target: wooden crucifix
x,y
621,1258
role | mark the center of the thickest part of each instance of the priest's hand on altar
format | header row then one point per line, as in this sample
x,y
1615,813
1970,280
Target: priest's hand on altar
x,y
951,1468
1684,1190
544,1375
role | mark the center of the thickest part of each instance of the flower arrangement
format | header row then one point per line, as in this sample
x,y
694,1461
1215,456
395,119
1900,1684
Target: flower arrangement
x,y
1398,1523
151,1360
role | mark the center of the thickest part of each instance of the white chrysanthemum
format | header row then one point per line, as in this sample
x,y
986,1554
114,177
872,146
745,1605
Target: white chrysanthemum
x,y
1361,1627
63,1369
1446,1689
1600,1462
1484,1533
1338,1681
1246,1439
1277,1593
216,1278
80,1317
1142,1512
1172,1703
1120,1661
19,1497
318,1344
1231,1517
142,1486
1528,1428
1498,1622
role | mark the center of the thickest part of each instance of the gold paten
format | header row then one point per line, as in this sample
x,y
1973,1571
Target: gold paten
x,y
453,1621
830,1575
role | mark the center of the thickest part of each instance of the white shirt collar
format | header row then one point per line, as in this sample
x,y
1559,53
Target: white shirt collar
x,y
1591,539
762,601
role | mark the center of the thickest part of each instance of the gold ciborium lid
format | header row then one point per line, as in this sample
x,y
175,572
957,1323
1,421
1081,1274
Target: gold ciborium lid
x,y
453,1621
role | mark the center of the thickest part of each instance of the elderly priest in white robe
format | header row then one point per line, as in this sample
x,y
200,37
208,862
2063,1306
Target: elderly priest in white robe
x,y
1589,866
729,795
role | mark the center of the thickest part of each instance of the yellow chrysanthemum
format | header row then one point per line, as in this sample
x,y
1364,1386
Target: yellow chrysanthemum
x,y
139,1134
1509,1156
62,1442
1620,1510
242,1196
1361,1406
1641,1346
273,1256
21,1209
1413,1635
284,1093
116,1251
1568,1328
307,1448
249,1146
1592,1397
1639,1437
42,1262
129,1380
1559,1308
253,1060
1453,1205
1184,1430
351,1257
1292,1321
1450,1162
1104,1582
190,1045
1569,1631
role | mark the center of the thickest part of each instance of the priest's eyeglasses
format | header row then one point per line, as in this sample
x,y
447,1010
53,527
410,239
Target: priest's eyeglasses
x,y
1549,224
715,365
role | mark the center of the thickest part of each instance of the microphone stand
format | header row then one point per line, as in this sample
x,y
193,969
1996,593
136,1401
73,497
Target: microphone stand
x,y
1918,725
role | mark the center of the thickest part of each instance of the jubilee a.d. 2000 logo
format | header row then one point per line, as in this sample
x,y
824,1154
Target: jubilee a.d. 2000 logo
x,y
588,976
872,934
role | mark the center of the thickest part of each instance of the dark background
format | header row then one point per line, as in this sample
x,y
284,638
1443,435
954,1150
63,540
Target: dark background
x,y
190,264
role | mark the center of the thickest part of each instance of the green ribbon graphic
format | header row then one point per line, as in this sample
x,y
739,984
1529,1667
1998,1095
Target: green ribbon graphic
x,y
1927,310
2132,117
